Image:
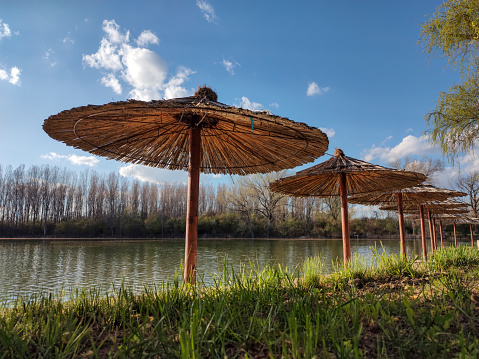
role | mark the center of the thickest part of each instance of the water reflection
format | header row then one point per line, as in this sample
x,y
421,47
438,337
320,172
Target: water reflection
x,y
29,267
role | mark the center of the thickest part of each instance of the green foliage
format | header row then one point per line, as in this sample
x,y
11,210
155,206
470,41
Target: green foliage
x,y
453,32
454,123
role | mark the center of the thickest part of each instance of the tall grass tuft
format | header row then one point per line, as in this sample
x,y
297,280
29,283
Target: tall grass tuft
x,y
273,312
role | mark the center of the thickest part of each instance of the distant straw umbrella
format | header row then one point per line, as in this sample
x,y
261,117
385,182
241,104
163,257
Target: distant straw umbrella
x,y
194,133
340,176
414,196
433,209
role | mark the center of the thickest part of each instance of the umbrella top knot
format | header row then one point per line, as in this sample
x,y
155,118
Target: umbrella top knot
x,y
207,93
338,152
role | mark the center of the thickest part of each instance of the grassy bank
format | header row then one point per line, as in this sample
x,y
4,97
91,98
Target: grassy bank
x,y
393,309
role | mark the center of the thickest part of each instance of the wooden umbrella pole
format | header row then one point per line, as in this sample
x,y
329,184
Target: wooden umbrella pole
x,y
429,219
441,233
343,192
191,243
423,232
401,226
472,234
455,234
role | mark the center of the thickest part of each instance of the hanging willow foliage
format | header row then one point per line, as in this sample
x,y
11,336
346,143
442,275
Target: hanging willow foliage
x,y
453,33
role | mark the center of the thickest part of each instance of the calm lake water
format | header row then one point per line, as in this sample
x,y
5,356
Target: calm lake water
x,y
28,267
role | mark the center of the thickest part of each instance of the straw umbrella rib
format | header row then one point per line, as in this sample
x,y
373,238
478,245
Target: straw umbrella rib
x,y
341,175
194,133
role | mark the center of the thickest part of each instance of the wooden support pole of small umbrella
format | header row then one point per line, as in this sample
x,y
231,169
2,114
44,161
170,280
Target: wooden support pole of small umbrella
x,y
455,233
342,175
194,133
441,233
423,231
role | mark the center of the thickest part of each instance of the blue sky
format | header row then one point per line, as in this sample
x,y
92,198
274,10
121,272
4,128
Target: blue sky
x,y
351,68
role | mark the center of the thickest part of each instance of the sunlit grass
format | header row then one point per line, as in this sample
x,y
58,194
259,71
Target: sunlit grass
x,y
388,308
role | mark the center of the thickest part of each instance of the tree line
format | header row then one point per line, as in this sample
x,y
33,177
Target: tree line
x,y
49,201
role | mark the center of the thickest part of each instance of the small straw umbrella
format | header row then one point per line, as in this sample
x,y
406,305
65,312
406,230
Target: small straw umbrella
x,y
342,175
438,207
194,133
433,209
470,221
416,196
458,218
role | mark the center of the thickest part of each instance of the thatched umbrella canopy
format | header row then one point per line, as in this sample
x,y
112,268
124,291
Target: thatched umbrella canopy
x,y
340,176
194,133
414,196
459,218
434,208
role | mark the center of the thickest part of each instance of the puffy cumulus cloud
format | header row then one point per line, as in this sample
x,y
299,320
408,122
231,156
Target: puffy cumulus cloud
x,y
409,146
173,88
146,38
207,10
74,159
328,131
250,105
143,68
139,68
107,57
4,30
13,76
110,80
112,29
314,89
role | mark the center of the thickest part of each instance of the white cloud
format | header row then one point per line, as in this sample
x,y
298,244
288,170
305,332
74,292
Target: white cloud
x,y
13,77
147,37
409,146
68,40
230,66
74,159
48,56
143,68
173,88
207,10
274,105
246,103
328,131
138,67
153,175
111,81
314,89
115,36
4,30
107,57
159,175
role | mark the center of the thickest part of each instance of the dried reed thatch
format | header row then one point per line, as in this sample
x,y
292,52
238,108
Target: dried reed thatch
x,y
362,177
415,195
432,205
156,133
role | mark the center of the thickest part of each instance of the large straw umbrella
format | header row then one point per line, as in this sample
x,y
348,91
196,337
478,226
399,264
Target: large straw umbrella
x,y
342,175
194,133
415,196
